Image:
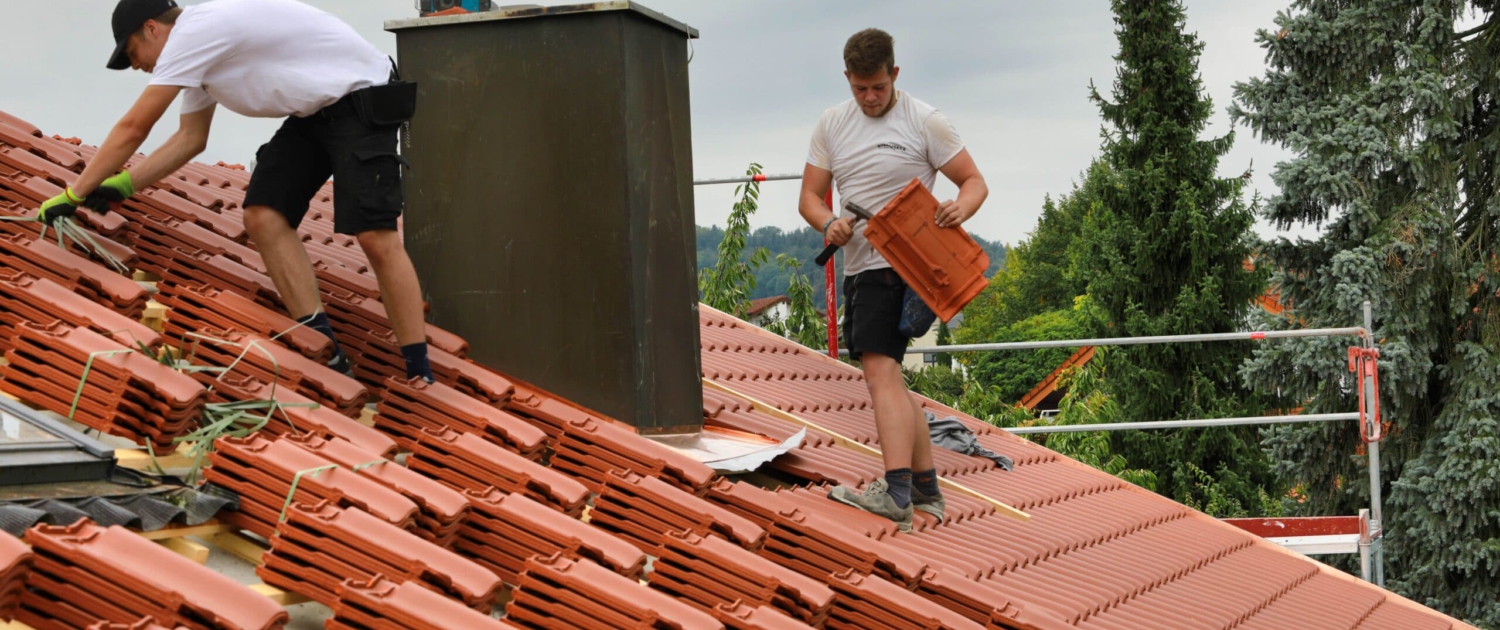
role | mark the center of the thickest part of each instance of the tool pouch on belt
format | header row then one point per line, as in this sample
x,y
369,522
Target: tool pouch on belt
x,y
386,105
916,316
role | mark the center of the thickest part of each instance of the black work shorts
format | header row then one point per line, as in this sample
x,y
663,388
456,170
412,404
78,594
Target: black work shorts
x,y
872,314
366,171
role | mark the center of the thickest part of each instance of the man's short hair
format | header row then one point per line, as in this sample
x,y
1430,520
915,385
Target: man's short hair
x,y
170,17
870,51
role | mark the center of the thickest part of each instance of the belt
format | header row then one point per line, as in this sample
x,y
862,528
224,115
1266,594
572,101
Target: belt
x,y
342,108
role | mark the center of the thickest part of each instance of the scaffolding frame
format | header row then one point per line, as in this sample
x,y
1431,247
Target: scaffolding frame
x,y
1362,361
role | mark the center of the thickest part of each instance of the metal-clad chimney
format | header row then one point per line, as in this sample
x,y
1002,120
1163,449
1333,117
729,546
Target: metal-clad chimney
x,y
549,209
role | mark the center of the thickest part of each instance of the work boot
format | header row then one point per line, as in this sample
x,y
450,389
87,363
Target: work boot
x,y
930,503
876,499
340,363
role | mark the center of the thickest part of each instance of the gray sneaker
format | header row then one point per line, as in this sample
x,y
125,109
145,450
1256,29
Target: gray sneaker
x,y
930,503
876,499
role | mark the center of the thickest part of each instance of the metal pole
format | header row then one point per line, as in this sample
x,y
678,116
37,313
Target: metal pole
x,y
745,179
1136,341
830,292
1373,448
1181,424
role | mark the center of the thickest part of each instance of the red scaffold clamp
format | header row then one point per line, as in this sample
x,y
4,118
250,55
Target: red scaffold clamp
x,y
1363,362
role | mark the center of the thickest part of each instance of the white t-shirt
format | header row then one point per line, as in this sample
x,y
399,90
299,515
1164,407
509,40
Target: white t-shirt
x,y
872,159
266,58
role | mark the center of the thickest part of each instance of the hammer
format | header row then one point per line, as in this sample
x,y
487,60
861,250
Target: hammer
x,y
854,209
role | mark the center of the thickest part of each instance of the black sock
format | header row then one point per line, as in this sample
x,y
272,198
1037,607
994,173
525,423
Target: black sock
x,y
925,481
416,361
900,483
319,321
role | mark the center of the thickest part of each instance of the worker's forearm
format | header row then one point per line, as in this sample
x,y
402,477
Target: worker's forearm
x,y
122,143
814,211
972,194
172,155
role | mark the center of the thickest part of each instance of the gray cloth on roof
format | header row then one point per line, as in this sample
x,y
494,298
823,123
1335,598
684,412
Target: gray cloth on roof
x,y
953,435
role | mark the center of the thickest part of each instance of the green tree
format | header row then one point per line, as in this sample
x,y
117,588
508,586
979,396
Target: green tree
x,y
728,285
1390,110
803,324
802,244
1034,296
1015,372
1163,253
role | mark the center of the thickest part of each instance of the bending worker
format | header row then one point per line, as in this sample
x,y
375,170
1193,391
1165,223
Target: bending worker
x,y
875,144
272,59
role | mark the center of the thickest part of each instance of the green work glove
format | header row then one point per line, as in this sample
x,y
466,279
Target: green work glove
x,y
64,205
113,190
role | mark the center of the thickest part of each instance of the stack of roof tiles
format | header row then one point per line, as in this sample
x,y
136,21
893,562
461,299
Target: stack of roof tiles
x,y
146,623
15,565
819,537
557,592
186,253
33,229
741,616
319,546
84,573
506,530
115,389
711,572
365,333
551,413
257,356
382,603
468,462
297,415
442,511
85,277
27,298
262,472
196,308
868,602
590,448
410,405
645,510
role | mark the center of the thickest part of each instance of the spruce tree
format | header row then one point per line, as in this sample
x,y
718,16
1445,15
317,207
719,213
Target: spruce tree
x,y
1164,253
1390,110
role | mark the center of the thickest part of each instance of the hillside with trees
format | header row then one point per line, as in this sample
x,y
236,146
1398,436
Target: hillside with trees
x,y
804,245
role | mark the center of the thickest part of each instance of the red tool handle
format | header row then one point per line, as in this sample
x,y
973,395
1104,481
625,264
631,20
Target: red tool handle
x,y
832,295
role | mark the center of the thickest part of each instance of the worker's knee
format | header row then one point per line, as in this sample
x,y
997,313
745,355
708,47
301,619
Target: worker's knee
x,y
264,221
380,246
881,371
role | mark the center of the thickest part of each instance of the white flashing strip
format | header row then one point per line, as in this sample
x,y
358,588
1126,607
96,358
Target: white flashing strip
x,y
1320,545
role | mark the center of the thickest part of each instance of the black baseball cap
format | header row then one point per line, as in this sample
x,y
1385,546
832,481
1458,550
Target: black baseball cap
x,y
130,16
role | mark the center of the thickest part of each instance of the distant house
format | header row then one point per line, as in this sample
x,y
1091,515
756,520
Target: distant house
x,y
923,361
767,310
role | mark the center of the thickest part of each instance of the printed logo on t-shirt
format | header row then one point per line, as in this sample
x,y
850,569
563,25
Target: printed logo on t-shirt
x,y
888,145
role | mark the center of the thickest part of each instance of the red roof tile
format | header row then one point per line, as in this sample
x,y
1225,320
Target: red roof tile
x,y
945,266
1097,552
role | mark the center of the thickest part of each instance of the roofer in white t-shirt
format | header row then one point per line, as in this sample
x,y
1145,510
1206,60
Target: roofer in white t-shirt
x,y
342,105
874,145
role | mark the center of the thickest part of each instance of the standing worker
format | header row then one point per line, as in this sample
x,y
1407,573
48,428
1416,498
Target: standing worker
x,y
342,104
875,144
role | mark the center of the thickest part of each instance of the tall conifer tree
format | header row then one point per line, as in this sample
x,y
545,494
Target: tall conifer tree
x,y
1164,253
1390,108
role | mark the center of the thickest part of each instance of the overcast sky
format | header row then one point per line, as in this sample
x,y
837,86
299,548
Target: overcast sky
x,y
1013,77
